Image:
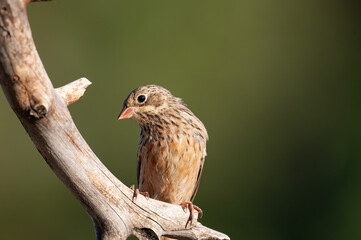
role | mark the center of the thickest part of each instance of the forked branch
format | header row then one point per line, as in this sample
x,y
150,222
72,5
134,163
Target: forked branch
x,y
44,114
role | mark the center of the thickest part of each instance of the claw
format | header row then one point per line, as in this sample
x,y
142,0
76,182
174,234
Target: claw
x,y
136,193
198,210
190,206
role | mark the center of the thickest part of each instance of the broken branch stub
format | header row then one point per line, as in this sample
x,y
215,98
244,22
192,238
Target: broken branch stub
x,y
73,91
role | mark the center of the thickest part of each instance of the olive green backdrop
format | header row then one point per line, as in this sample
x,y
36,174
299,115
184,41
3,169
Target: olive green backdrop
x,y
277,84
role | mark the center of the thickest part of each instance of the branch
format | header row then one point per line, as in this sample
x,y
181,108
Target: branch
x,y
44,114
73,91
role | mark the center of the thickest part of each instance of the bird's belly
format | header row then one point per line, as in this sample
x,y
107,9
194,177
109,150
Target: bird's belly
x,y
169,172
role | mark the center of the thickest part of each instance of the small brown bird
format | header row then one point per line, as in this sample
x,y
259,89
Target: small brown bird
x,y
171,147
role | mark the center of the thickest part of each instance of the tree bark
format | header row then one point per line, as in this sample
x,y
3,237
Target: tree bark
x,y
43,112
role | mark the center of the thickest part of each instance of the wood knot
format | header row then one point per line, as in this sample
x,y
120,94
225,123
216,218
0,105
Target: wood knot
x,y
15,78
38,111
4,8
41,110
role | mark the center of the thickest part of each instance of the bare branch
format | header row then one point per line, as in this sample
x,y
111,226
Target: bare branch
x,y
43,112
73,91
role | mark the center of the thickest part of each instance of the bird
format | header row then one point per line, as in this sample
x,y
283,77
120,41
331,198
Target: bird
x,y
171,147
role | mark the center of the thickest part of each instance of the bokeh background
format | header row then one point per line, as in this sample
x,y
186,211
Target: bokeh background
x,y
277,84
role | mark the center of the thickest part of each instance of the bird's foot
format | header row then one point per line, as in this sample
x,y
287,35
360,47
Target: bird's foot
x,y
136,193
190,206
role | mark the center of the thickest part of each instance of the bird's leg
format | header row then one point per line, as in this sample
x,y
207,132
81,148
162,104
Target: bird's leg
x,y
190,206
136,193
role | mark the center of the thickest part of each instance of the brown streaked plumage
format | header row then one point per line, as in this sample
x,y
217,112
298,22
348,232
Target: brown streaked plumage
x,y
171,147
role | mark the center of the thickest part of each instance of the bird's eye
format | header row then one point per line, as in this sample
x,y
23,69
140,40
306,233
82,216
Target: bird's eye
x,y
141,98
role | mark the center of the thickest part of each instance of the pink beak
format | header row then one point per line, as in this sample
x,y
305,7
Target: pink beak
x,y
126,113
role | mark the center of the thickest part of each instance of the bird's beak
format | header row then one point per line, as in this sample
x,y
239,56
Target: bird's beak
x,y
127,112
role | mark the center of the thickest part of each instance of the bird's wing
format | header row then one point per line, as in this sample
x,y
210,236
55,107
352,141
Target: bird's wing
x,y
139,160
139,163
140,153
199,175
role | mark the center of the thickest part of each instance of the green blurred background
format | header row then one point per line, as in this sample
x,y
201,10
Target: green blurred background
x,y
277,84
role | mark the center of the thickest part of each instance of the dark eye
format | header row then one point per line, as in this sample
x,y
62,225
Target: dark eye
x,y
141,98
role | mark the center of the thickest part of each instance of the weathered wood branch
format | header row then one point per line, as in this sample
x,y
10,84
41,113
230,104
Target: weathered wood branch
x,y
44,114
73,91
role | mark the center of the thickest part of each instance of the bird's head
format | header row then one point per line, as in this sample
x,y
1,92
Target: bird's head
x,y
147,101
156,109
